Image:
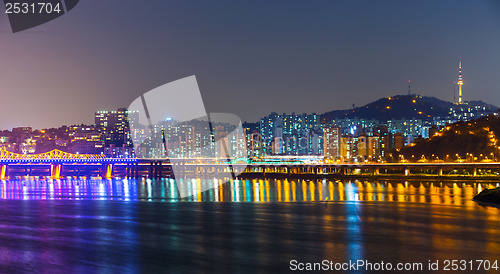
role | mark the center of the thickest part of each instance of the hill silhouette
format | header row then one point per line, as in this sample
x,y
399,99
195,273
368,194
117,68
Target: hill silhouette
x,y
477,137
401,107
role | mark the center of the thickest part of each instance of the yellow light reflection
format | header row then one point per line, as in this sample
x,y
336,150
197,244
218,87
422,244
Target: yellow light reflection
x,y
312,190
287,190
278,186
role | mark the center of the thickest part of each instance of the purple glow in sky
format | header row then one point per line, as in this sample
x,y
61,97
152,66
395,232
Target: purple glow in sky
x,y
250,57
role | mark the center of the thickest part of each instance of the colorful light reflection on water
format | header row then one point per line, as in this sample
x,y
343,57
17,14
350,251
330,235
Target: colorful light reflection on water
x,y
256,190
239,227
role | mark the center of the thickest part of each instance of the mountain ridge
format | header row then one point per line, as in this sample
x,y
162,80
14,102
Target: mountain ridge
x,y
411,106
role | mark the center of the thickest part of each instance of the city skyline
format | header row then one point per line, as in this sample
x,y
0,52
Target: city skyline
x,y
473,108
120,133
365,49
249,136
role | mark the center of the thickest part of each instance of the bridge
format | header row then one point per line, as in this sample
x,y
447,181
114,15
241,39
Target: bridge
x,y
437,169
58,164
53,163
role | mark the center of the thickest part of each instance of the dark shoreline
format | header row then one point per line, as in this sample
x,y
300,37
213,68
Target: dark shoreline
x,y
489,197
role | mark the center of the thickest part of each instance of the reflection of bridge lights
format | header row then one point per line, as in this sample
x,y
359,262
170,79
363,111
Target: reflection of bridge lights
x,y
350,191
256,192
101,191
77,190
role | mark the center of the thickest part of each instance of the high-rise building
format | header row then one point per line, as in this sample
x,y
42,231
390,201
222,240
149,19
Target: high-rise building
x,y
254,144
331,143
348,148
408,127
398,141
237,143
115,125
291,134
373,147
222,142
385,138
362,146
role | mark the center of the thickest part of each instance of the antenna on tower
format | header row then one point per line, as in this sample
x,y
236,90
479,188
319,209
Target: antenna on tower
x,y
409,87
460,82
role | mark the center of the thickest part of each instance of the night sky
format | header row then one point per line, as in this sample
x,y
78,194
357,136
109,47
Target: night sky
x,y
250,57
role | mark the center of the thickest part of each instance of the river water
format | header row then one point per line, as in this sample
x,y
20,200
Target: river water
x,y
115,226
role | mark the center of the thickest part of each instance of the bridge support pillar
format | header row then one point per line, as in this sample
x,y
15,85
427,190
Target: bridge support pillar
x,y
151,170
376,171
160,170
107,171
407,172
133,168
4,172
55,171
128,169
27,170
440,171
474,172
347,171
